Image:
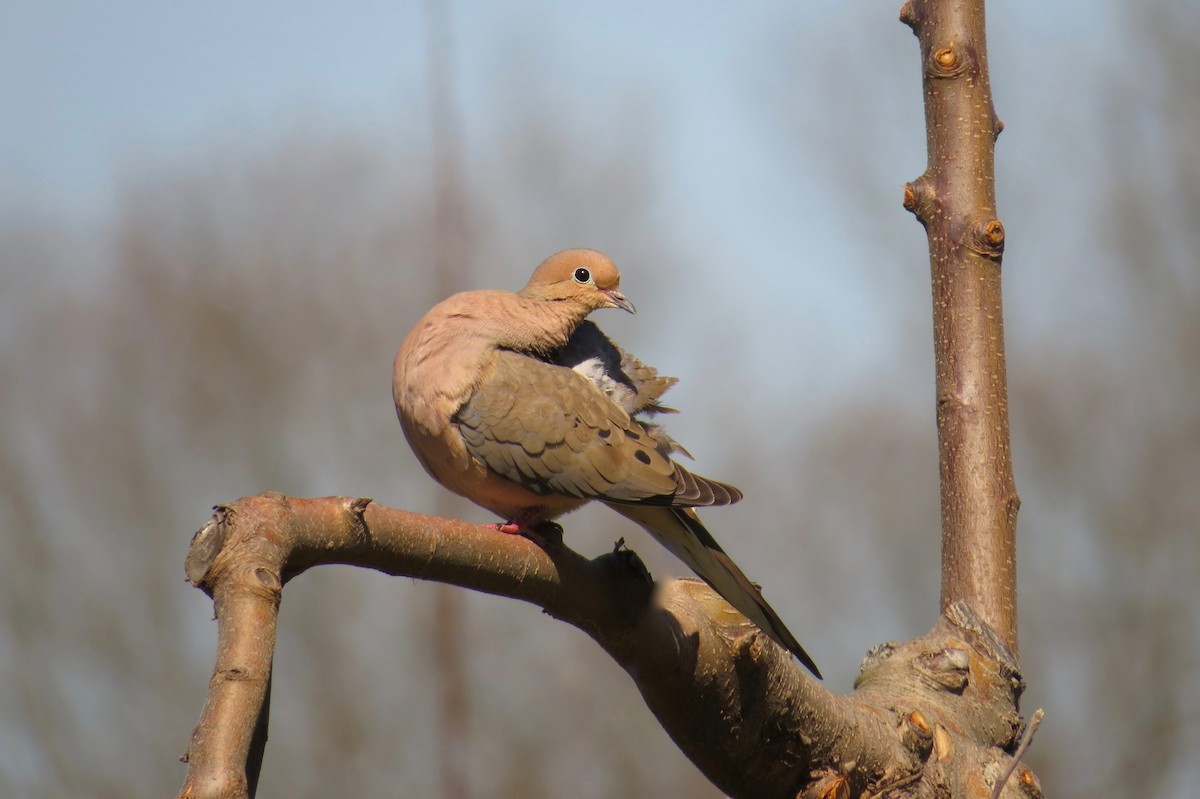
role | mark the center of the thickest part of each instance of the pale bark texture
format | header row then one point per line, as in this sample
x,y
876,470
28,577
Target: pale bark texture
x,y
956,202
935,716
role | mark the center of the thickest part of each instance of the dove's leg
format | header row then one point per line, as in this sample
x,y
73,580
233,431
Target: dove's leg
x,y
542,532
522,524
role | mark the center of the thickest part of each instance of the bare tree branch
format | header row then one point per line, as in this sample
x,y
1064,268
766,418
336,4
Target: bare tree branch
x,y
738,705
682,652
956,202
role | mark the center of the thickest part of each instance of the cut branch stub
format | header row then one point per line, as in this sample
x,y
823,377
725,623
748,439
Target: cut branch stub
x,y
206,544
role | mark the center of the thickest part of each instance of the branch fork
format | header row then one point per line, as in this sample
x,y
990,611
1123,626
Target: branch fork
x,y
738,705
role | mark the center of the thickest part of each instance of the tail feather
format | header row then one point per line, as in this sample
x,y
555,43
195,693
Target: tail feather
x,y
680,531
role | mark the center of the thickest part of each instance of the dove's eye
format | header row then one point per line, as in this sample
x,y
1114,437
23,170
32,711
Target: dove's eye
x,y
583,275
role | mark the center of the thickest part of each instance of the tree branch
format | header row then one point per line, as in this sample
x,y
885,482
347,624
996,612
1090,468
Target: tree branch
x,y
956,202
737,704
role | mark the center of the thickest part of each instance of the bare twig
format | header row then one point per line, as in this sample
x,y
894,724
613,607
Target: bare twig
x,y
1022,748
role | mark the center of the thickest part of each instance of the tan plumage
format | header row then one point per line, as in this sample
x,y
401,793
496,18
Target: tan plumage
x,y
514,401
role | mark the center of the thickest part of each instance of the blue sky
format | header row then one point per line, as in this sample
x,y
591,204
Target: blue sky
x,y
88,85
85,85
788,202
88,90
91,92
782,136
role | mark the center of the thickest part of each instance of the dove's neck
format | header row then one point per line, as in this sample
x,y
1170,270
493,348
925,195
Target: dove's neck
x,y
536,326
549,325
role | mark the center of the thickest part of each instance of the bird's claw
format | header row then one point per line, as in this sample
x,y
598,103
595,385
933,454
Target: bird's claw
x,y
548,532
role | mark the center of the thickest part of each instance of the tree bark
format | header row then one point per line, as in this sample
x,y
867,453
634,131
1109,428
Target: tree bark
x,y
956,202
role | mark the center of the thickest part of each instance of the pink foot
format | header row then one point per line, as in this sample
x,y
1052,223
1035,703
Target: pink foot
x,y
540,532
509,528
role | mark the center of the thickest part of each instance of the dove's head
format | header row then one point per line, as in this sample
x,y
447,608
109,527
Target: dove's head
x,y
583,277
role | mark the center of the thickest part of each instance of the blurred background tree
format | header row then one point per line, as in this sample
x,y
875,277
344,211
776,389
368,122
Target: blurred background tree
x,y
219,317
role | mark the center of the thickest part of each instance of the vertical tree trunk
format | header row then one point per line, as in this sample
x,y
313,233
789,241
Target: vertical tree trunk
x,y
450,266
956,202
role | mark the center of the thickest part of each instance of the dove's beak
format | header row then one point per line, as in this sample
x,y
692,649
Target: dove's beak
x,y
618,300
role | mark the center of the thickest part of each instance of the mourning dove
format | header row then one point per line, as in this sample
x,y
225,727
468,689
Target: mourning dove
x,y
517,403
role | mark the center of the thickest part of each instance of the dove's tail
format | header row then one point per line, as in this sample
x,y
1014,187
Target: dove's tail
x,y
680,530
